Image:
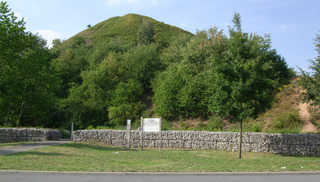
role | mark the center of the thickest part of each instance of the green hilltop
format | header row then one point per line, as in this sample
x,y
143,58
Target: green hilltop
x,y
126,27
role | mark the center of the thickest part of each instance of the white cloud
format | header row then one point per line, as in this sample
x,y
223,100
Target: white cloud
x,y
282,27
48,35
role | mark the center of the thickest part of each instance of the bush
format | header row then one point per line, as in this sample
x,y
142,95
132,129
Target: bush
x,y
289,120
257,127
65,133
118,115
147,113
215,123
166,125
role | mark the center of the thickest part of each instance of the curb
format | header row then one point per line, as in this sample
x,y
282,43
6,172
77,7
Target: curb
x,y
160,173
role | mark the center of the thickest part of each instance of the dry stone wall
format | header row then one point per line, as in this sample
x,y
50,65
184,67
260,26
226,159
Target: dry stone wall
x,y
306,144
9,135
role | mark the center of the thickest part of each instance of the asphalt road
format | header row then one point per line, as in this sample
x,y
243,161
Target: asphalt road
x,y
6,176
29,146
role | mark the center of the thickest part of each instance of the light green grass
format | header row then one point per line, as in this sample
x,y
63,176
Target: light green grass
x,y
106,158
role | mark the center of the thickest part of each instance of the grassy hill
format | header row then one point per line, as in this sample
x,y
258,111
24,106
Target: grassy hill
x,y
127,28
92,59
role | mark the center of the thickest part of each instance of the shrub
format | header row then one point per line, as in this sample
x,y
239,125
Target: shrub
x,y
215,123
257,127
147,113
118,115
65,133
289,120
166,125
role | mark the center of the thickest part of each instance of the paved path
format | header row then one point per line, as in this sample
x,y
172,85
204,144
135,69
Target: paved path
x,y
29,146
7,176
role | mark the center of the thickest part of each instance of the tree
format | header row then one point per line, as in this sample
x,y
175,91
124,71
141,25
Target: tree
x,y
311,81
27,84
71,60
245,76
145,33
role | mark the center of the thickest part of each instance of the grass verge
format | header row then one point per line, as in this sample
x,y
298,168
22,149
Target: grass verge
x,y
96,157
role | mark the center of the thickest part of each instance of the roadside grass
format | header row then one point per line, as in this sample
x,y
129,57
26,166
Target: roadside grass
x,y
96,157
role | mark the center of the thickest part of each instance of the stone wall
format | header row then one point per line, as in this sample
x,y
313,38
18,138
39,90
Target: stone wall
x,y
306,144
9,135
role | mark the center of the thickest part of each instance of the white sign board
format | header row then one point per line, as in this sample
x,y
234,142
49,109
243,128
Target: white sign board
x,y
151,124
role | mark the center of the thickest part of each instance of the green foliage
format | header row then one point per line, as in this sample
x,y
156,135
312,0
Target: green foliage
x,y
118,115
126,93
166,125
27,84
256,127
246,75
127,27
145,33
141,63
65,134
212,73
71,61
147,113
288,120
214,123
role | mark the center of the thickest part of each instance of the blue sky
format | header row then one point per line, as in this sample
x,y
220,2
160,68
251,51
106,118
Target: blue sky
x,y
292,24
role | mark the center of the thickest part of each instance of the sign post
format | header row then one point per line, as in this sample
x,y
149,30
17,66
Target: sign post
x,y
72,131
150,125
128,134
141,134
160,136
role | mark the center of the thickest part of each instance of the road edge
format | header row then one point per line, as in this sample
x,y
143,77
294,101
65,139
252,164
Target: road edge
x,y
157,173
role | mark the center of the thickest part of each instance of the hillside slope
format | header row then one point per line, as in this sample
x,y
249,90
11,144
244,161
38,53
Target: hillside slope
x,y
287,114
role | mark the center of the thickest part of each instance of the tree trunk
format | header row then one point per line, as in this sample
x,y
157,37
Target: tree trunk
x,y
240,140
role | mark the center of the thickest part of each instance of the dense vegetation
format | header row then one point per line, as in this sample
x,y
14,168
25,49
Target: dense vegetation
x,y
133,65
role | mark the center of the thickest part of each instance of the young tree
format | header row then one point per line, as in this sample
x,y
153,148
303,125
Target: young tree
x,y
245,76
311,81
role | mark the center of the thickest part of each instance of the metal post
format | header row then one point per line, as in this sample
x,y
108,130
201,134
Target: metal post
x,y
72,131
141,134
160,136
128,134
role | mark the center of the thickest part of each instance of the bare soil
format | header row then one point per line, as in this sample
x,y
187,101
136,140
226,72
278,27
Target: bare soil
x,y
305,116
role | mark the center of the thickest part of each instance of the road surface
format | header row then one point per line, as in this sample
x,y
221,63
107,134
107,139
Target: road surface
x,y
11,176
29,146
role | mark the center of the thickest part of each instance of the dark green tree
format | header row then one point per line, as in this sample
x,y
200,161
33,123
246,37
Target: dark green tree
x,y
27,84
69,60
311,81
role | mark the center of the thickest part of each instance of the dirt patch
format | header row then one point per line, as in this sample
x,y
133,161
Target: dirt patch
x,y
308,127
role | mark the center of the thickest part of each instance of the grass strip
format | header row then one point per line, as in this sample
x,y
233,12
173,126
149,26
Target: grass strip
x,y
97,157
